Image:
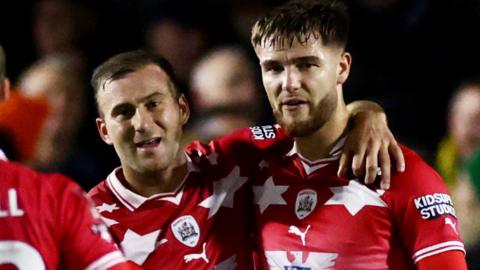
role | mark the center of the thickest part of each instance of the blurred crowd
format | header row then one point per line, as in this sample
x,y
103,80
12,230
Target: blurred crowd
x,y
417,58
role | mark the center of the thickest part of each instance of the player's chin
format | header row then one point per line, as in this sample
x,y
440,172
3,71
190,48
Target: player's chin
x,y
298,128
147,167
151,163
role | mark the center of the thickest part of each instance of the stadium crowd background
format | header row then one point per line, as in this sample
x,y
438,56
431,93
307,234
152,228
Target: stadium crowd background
x,y
408,55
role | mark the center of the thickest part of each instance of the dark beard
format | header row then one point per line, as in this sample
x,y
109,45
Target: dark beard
x,y
322,113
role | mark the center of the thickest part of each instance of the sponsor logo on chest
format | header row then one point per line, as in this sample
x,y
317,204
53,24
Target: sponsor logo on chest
x,y
186,230
305,203
434,205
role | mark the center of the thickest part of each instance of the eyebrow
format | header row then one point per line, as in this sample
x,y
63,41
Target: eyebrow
x,y
304,59
152,95
311,59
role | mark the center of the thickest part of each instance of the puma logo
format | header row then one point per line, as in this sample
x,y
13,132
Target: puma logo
x,y
295,230
450,222
195,256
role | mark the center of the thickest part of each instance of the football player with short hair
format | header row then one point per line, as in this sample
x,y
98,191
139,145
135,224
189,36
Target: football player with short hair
x,y
307,216
169,207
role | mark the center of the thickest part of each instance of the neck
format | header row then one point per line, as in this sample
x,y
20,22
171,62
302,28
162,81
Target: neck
x,y
318,144
148,183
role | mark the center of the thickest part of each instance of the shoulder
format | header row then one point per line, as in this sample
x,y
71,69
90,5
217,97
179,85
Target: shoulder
x,y
418,181
25,177
246,144
99,191
254,137
418,175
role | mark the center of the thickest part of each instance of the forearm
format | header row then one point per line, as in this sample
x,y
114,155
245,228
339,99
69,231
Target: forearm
x,y
362,107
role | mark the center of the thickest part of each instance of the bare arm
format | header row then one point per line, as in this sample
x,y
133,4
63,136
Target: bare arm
x,y
370,143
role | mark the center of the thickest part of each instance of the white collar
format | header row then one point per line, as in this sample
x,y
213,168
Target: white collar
x,y
132,200
3,156
313,165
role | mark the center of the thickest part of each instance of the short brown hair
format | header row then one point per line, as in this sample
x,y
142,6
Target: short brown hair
x,y
299,19
120,65
2,63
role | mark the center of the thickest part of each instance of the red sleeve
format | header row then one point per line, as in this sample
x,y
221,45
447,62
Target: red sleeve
x,y
85,240
423,211
451,260
244,144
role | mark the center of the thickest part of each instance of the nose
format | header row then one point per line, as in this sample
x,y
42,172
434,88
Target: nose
x,y
291,80
142,120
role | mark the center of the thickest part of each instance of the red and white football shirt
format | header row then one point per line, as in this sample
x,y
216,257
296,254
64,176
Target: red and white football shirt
x,y
46,222
308,218
202,225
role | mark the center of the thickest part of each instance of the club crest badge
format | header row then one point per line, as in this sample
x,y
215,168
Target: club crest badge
x,y
305,203
186,230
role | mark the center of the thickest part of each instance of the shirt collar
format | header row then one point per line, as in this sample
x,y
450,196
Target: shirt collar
x,y
334,152
132,200
312,165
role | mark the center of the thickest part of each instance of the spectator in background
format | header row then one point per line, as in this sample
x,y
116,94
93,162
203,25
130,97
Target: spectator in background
x,y
21,121
458,161
224,92
224,77
46,128
60,27
180,34
55,80
463,130
47,221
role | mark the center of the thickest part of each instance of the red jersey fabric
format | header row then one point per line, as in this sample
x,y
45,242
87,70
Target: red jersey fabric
x,y
308,218
202,225
453,259
48,223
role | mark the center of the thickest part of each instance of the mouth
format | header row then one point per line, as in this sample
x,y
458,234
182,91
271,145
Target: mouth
x,y
148,144
292,103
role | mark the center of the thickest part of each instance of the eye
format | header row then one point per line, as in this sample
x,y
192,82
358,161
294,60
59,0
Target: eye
x,y
123,111
273,67
152,104
305,66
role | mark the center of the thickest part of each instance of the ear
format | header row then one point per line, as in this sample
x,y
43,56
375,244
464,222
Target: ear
x,y
184,109
4,89
103,131
344,67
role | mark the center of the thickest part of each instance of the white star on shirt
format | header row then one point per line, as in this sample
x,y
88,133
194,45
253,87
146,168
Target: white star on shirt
x,y
224,191
109,222
269,194
107,207
228,264
354,197
137,247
